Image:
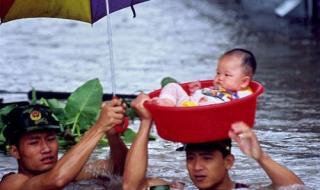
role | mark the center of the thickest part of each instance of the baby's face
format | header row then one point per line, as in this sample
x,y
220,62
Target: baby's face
x,y
230,74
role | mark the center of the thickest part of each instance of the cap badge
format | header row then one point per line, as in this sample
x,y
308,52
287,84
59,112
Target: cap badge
x,y
35,115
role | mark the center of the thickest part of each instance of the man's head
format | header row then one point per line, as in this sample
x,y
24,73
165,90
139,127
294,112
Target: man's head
x,y
208,163
31,132
28,118
235,69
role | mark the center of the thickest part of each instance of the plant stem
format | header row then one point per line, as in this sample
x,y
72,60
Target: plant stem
x,y
78,130
74,126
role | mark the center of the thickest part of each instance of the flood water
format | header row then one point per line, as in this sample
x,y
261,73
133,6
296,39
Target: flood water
x,y
182,39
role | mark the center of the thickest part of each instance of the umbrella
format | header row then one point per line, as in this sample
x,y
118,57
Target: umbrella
x,y
82,10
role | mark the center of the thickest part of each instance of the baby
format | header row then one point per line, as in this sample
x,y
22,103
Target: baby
x,y
234,73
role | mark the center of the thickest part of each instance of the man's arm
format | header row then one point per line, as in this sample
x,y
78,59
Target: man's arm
x,y
137,158
249,144
114,165
118,153
69,166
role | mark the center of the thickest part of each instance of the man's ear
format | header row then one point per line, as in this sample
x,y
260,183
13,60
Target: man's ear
x,y
245,81
228,161
13,150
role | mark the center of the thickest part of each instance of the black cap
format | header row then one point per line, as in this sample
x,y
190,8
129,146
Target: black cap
x,y
222,145
27,118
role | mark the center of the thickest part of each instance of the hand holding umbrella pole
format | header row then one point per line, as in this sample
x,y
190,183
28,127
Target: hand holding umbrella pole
x,y
89,11
124,125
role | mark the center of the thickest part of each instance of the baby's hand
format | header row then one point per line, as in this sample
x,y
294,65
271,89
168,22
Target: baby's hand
x,y
194,86
210,91
214,92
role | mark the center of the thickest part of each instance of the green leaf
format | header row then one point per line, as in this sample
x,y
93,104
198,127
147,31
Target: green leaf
x,y
7,109
130,112
2,139
33,96
129,135
167,80
43,102
3,112
58,109
83,105
66,144
103,142
152,138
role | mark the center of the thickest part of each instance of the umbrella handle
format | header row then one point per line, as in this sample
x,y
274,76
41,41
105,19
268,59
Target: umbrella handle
x,y
120,128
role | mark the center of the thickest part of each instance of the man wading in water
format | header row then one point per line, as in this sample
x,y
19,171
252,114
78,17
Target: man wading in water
x,y
207,163
31,132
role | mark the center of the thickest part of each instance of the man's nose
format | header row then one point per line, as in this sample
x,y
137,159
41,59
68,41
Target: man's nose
x,y
45,146
198,164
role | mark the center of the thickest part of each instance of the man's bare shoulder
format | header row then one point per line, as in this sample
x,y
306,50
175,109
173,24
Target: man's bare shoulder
x,y
13,182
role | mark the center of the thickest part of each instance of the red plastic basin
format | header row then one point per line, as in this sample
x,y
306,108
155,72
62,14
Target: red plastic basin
x,y
203,123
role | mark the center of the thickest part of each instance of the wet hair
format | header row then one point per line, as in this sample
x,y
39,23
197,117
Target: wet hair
x,y
223,146
248,60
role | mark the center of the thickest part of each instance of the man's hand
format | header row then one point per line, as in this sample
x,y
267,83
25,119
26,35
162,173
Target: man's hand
x,y
112,113
246,140
248,143
137,104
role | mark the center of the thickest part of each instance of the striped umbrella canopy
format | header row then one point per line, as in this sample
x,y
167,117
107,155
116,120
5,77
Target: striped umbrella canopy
x,y
83,10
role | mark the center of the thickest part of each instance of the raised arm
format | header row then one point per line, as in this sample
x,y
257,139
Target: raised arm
x,y
249,144
70,165
118,153
137,158
114,165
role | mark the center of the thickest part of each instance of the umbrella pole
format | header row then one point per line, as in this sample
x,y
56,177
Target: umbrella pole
x,y
110,44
